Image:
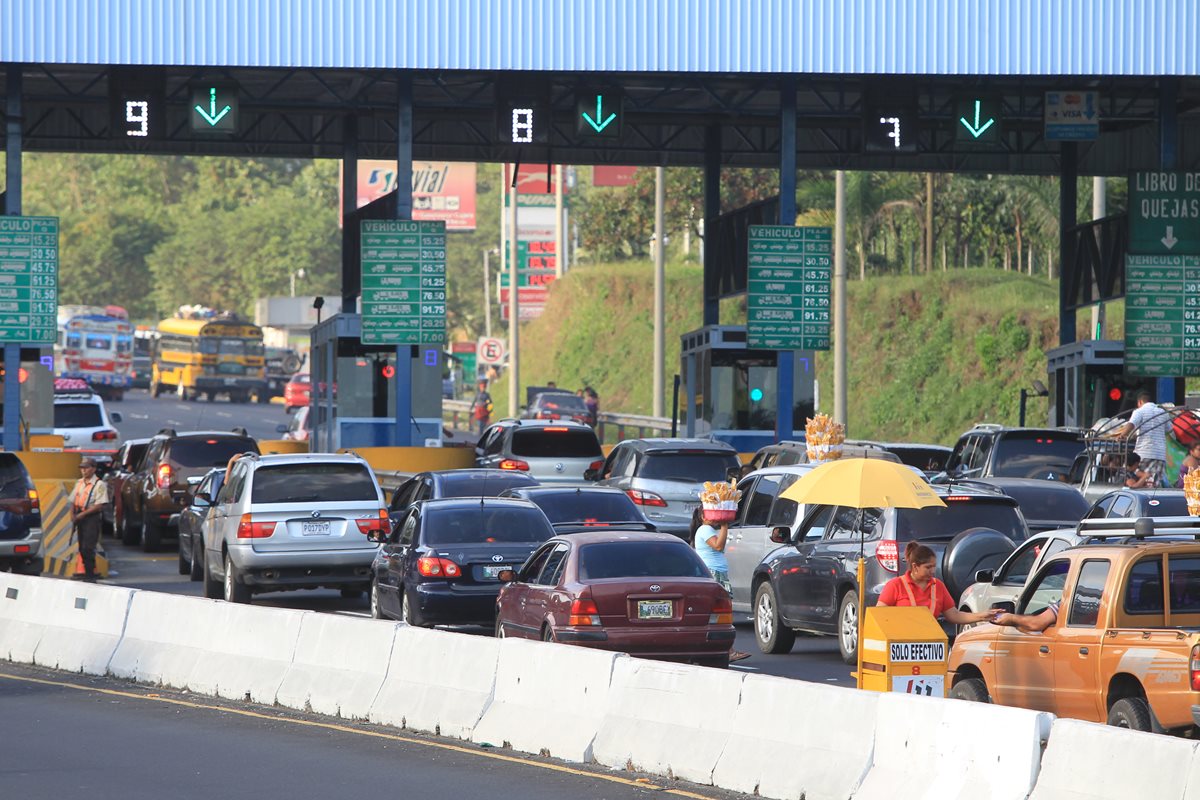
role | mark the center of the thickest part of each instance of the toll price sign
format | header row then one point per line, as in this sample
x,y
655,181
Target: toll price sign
x,y
403,282
28,279
1162,315
789,280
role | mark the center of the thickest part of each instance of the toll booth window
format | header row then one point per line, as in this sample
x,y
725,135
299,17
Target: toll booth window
x,y
1047,588
1143,591
1185,584
1085,605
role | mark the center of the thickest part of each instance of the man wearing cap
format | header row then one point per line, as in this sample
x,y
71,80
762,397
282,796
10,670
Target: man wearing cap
x,y
88,499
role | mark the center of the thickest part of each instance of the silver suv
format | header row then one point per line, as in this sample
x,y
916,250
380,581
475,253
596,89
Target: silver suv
x,y
552,451
300,521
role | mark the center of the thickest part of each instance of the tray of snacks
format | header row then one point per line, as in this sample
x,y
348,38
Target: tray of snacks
x,y
719,501
824,438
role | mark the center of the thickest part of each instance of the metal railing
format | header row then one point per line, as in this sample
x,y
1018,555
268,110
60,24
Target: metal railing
x,y
610,426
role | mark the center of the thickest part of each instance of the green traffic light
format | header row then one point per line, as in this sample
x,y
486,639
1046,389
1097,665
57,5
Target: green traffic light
x,y
756,394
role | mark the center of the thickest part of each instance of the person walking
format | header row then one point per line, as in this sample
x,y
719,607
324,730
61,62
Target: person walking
x,y
88,499
1150,422
1190,463
710,545
919,587
481,407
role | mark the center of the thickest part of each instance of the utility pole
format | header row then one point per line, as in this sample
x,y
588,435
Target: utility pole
x,y
1099,209
560,234
928,223
839,299
487,294
514,308
659,287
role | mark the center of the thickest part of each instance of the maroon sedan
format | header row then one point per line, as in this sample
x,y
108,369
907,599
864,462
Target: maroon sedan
x,y
646,594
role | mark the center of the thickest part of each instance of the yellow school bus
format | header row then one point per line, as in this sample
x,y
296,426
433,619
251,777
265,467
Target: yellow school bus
x,y
194,357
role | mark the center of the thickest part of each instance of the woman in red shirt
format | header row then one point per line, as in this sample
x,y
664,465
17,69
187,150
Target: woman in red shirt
x,y
918,587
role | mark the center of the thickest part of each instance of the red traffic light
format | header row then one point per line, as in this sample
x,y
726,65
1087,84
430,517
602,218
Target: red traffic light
x,y
22,375
388,371
1114,394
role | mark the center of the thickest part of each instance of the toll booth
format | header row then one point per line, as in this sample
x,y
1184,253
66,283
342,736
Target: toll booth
x,y
730,391
354,389
904,649
37,390
1088,382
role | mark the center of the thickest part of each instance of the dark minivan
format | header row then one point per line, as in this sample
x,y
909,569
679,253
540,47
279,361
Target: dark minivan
x,y
20,519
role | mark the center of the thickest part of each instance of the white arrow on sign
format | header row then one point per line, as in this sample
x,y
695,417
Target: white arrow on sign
x,y
1169,240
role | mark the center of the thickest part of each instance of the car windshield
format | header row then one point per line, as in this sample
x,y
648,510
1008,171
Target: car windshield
x,y
690,466
480,524
555,442
213,451
587,507
490,485
1035,454
307,482
631,559
77,415
945,523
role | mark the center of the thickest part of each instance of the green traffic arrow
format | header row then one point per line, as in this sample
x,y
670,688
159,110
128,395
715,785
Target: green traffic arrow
x,y
976,130
212,116
595,123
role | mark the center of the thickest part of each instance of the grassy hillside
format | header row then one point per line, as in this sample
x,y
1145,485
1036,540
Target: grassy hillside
x,y
929,355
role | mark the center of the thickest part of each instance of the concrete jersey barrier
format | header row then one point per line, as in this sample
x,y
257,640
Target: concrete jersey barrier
x,y
782,744
22,616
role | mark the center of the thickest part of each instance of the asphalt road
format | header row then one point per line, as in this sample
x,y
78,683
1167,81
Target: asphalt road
x,y
144,416
74,736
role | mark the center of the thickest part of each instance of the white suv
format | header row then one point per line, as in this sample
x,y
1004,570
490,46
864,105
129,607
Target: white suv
x,y
85,424
302,521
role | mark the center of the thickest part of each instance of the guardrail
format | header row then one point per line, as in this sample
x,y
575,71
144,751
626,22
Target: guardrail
x,y
610,426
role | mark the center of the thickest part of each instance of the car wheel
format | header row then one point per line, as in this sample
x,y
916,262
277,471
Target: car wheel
x,y
409,612
1133,713
548,634
213,588
196,568
971,689
235,590
184,567
376,611
131,535
769,631
151,534
499,631
848,627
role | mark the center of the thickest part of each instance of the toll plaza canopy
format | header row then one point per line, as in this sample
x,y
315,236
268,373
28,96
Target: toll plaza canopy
x,y
940,85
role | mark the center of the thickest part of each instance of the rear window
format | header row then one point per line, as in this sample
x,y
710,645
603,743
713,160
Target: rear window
x,y
14,480
468,525
687,466
213,451
563,401
1167,505
98,341
928,459
587,507
77,415
944,524
1034,454
639,560
551,443
496,482
1052,505
308,482
134,456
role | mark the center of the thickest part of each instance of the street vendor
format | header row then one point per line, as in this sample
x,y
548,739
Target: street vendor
x,y
919,587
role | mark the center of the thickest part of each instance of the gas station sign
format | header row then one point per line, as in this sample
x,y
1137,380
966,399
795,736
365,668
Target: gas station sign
x,y
788,298
403,282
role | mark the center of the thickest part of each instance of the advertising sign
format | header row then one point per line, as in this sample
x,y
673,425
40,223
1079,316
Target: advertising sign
x,y
442,190
1071,116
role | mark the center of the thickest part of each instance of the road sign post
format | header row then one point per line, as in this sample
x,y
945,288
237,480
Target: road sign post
x,y
403,282
788,299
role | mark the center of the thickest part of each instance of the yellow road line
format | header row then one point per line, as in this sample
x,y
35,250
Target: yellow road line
x,y
640,784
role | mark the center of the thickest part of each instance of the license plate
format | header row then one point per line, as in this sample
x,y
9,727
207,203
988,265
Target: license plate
x,y
654,609
494,571
314,528
688,508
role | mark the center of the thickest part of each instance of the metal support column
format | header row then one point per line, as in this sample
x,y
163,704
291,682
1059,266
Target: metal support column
x,y
404,152
514,303
1068,195
1168,148
660,279
712,210
786,359
351,266
840,345
12,207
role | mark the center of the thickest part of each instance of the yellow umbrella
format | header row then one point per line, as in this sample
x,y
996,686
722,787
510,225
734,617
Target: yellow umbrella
x,y
863,483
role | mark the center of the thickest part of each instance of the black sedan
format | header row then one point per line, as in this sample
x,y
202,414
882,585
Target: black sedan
x,y
438,484
441,563
191,534
572,509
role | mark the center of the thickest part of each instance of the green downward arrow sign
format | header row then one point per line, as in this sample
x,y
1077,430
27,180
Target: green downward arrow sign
x,y
979,127
212,116
595,122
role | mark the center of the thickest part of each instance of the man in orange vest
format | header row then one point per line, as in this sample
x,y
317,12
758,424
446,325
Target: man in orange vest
x,y
88,499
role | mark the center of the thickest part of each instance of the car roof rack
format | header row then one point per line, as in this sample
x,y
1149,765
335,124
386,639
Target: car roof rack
x,y
165,432
239,430
988,426
1139,529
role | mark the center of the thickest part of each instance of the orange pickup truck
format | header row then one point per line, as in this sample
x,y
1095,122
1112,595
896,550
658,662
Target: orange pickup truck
x,y
1125,648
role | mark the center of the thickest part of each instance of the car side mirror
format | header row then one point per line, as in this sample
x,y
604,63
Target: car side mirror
x,y
781,534
1007,606
733,474
591,474
202,499
115,416
281,428
506,576
985,575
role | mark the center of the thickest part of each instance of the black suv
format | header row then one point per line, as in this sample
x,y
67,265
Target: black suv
x,y
20,519
159,488
809,583
997,451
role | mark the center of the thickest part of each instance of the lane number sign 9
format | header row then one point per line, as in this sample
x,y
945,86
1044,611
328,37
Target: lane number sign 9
x,y
137,118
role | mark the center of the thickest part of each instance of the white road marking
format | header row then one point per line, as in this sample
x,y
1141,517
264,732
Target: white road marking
x,y
740,666
135,415
224,414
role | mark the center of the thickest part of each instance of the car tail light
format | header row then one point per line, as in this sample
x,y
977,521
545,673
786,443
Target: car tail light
x,y
1194,667
596,465
249,529
514,463
22,548
584,612
102,436
432,567
373,525
553,429
887,553
164,476
35,503
646,498
722,612
956,497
